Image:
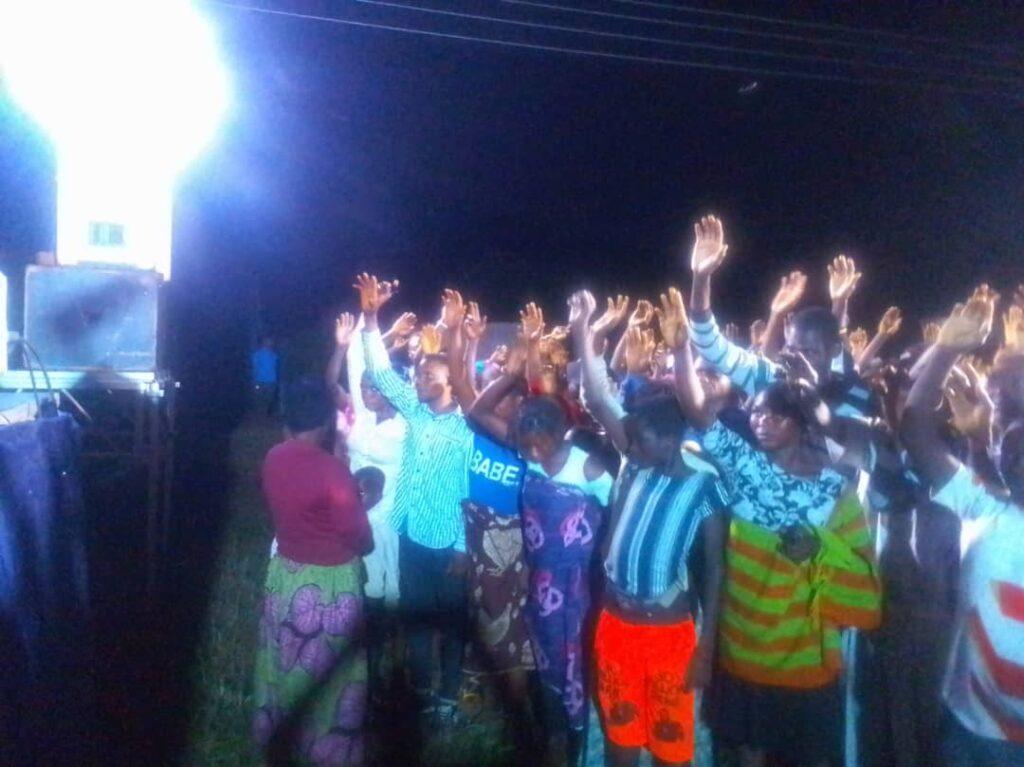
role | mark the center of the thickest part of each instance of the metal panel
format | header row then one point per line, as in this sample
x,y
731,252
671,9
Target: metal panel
x,y
84,318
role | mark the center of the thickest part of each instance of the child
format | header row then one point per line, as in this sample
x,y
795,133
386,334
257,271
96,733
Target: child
x,y
379,623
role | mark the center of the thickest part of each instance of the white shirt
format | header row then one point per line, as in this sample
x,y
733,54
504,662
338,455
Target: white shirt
x,y
371,443
572,473
984,684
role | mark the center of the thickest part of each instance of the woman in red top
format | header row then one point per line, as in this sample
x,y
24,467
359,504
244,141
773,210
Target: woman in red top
x,y
309,653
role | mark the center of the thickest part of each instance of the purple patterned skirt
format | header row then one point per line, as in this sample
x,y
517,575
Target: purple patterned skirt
x,y
560,525
310,652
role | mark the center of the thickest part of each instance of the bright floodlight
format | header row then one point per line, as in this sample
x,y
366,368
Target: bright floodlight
x,y
130,91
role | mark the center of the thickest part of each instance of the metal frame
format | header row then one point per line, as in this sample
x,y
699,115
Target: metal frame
x,y
145,434
153,384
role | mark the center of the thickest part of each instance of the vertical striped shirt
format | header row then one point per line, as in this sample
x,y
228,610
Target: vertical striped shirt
x,y
656,520
432,478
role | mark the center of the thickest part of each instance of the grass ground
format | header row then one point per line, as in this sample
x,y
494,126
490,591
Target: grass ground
x,y
219,730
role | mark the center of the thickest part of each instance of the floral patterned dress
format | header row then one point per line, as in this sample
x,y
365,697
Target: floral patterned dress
x,y
308,643
560,526
766,494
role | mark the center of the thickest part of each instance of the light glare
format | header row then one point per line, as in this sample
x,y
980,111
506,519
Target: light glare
x,y
130,91
129,78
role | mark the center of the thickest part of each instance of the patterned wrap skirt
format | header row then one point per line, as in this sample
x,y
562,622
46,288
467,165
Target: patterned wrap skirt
x,y
560,527
310,653
499,585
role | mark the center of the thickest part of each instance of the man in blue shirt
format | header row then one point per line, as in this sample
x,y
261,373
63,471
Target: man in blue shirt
x,y
265,370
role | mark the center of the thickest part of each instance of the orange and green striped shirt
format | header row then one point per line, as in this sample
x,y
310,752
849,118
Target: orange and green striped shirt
x,y
780,620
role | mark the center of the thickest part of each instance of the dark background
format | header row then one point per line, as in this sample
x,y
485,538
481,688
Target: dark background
x,y
520,174
517,174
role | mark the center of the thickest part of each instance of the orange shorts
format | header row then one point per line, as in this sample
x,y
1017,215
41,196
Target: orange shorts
x,y
640,673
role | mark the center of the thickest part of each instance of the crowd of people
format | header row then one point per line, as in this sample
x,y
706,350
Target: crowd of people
x,y
821,534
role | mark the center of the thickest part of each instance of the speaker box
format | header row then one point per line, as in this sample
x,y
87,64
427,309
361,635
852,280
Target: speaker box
x,y
85,318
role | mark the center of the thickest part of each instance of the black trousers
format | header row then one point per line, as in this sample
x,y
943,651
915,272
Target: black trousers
x,y
432,601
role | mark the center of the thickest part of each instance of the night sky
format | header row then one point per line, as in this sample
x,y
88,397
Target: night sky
x,y
520,174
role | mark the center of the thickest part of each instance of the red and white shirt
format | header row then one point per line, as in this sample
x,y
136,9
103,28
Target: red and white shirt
x,y
984,684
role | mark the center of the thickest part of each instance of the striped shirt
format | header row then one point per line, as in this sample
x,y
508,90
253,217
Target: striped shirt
x,y
432,477
781,620
656,520
984,685
846,394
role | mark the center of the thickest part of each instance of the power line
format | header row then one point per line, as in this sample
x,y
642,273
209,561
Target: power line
x,y
731,30
823,26
607,54
685,44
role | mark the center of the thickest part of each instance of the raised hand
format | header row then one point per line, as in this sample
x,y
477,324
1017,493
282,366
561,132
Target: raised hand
x,y
757,328
842,278
613,316
499,356
642,315
930,332
403,326
558,334
532,320
791,290
811,403
1013,328
675,326
373,293
969,402
344,326
709,248
890,323
453,308
639,351
984,293
858,339
982,367
798,368
475,326
982,305
430,339
731,331
581,308
969,324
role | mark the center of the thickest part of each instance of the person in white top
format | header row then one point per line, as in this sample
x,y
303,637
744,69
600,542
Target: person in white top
x,y
375,439
984,685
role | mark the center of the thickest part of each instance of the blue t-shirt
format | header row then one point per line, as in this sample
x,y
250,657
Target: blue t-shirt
x,y
495,476
264,366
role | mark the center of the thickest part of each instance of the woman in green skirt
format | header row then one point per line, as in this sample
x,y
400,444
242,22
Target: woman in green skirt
x,y
310,676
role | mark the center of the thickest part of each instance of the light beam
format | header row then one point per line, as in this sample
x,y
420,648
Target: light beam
x,y
130,91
